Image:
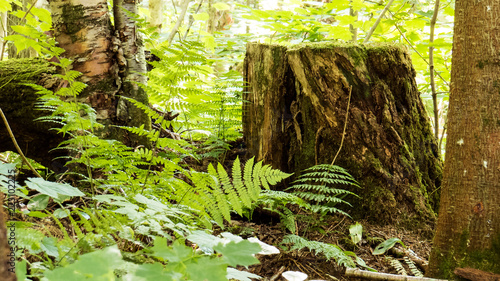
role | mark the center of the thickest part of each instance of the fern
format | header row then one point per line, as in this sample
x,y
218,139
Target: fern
x,y
319,186
330,251
182,81
413,268
215,195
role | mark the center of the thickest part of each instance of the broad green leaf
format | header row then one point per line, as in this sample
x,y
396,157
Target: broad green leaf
x,y
205,241
61,213
386,245
201,16
42,14
177,253
233,273
39,202
49,246
345,19
37,214
7,169
221,6
52,189
97,266
21,270
240,253
207,269
154,272
356,232
5,6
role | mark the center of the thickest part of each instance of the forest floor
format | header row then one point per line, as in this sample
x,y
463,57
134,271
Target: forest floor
x,y
333,230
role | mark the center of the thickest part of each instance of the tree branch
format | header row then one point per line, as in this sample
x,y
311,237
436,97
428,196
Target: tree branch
x,y
185,6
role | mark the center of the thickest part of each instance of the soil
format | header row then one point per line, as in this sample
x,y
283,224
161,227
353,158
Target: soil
x,y
336,232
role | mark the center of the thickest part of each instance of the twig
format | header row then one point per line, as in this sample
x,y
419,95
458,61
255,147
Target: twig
x,y
345,125
16,145
418,53
431,70
354,272
185,6
370,33
191,20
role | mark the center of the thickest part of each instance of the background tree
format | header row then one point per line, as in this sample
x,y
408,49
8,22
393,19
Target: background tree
x,y
468,230
110,58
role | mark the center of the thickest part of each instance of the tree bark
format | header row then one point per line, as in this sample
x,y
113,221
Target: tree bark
x,y
107,62
295,118
468,229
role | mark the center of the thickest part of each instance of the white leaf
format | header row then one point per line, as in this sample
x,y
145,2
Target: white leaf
x,y
294,276
266,248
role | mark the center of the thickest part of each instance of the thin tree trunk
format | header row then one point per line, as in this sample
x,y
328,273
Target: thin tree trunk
x,y
431,70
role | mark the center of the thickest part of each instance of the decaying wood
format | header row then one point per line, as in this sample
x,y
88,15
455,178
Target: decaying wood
x,y
476,274
294,118
358,273
17,101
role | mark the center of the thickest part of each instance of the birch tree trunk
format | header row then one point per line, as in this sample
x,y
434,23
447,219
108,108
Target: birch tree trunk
x,y
110,60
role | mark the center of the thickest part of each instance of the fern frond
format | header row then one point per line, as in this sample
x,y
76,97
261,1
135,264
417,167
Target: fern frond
x,y
397,265
413,268
320,185
330,251
215,194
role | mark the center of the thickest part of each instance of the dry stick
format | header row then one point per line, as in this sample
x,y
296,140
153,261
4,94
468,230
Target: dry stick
x,y
185,6
377,22
345,126
16,145
431,69
354,272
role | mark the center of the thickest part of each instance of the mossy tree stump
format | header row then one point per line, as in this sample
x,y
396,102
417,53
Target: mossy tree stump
x,y
294,118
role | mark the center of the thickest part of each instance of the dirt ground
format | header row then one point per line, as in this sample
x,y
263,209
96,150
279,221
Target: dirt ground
x,y
336,232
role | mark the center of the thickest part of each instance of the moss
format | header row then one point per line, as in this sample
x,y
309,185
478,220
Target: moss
x,y
487,260
71,17
22,70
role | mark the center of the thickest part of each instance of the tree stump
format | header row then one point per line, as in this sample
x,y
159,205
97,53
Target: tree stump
x,y
293,118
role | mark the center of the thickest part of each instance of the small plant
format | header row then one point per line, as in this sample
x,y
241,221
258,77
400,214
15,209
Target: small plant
x,y
214,194
319,185
330,251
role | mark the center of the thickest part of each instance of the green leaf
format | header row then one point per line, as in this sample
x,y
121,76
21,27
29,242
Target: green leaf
x,y
207,269
154,272
49,246
97,266
221,6
239,253
205,241
39,202
21,270
356,232
233,273
201,16
52,189
386,245
177,253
